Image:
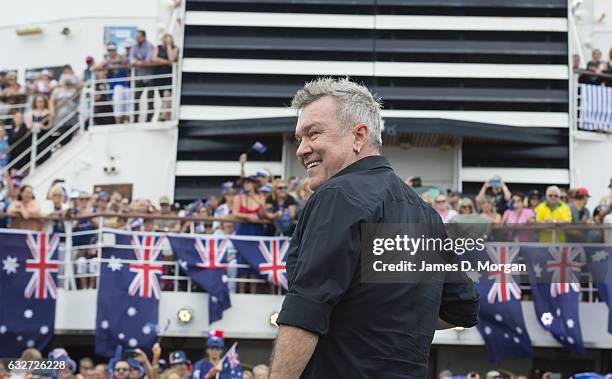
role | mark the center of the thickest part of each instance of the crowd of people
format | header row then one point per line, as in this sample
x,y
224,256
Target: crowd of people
x,y
133,364
496,204
42,102
597,65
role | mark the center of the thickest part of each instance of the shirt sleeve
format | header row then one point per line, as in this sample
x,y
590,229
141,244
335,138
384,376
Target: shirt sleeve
x,y
328,256
565,214
460,301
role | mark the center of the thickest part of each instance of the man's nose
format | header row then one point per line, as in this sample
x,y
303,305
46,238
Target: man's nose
x,y
303,149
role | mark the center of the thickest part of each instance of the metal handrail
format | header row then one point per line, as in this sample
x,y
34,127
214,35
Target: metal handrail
x,y
85,112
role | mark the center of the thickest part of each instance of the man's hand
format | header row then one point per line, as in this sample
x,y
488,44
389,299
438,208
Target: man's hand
x,y
292,351
243,158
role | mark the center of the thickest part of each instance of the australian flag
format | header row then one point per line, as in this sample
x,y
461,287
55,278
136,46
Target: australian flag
x,y
204,260
600,265
128,297
267,255
501,317
231,365
28,289
554,273
259,147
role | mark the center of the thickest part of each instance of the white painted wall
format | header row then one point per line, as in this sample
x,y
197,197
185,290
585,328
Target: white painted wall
x,y
86,20
593,164
594,25
145,155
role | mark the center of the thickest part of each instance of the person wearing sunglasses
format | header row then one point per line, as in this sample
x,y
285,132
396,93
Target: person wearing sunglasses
x,y
553,211
121,369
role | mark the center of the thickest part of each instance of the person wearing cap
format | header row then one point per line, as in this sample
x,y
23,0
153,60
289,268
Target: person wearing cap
x,y
207,367
30,83
224,208
88,71
281,208
553,211
580,213
263,177
533,199
101,206
493,375
333,324
117,75
46,83
180,363
165,209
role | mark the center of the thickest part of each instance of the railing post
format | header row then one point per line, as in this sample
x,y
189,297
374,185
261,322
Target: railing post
x,y
69,279
92,100
99,251
133,94
33,151
173,94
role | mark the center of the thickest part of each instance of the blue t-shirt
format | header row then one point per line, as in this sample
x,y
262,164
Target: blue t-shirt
x,y
200,368
4,145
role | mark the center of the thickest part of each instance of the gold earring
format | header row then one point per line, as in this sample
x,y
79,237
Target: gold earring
x,y
356,149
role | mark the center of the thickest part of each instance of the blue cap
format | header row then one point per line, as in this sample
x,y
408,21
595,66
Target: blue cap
x,y
178,356
263,173
215,339
104,194
266,188
135,364
111,46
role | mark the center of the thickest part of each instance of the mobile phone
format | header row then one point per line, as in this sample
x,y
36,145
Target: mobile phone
x,y
495,182
130,353
416,182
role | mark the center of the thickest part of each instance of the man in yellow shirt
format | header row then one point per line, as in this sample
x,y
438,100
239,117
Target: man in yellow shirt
x,y
553,211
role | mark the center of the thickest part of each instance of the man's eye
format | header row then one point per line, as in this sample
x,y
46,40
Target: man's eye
x,y
314,134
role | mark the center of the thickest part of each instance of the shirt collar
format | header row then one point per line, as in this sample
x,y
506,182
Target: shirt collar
x,y
364,164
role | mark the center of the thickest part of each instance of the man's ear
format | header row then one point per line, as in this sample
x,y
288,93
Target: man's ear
x,y
360,134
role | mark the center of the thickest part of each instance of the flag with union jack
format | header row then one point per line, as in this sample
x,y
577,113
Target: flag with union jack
x,y
600,265
554,275
231,365
129,291
267,255
28,289
204,259
501,324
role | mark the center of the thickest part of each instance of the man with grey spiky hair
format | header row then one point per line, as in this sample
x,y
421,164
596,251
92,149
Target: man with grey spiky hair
x,y
332,323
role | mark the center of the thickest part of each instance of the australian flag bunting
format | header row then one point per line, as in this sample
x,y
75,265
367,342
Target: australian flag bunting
x,y
129,292
501,317
600,265
204,260
266,255
28,289
554,273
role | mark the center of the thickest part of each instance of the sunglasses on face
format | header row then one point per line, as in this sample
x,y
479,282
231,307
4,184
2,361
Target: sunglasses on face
x,y
466,207
552,195
122,369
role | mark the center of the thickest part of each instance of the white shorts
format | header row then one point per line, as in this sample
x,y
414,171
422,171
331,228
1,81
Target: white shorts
x,y
121,101
87,265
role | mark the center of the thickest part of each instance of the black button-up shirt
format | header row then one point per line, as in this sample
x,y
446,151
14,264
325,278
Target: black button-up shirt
x,y
366,330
